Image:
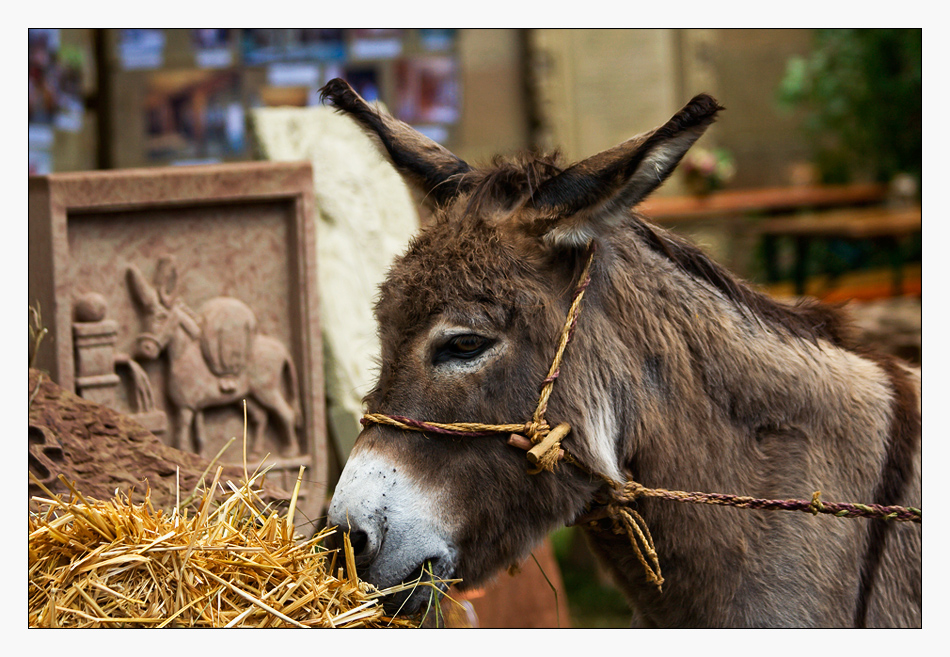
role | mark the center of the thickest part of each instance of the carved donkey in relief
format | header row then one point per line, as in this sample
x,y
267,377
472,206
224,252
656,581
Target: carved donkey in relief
x,y
216,357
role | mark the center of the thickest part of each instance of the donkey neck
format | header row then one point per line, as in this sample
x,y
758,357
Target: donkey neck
x,y
698,362
715,398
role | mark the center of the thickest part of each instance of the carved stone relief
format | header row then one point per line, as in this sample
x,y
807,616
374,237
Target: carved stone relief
x,y
212,357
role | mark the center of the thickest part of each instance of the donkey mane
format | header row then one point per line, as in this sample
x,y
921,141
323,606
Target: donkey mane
x,y
808,319
514,179
510,179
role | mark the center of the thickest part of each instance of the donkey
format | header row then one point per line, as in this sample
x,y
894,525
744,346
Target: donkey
x,y
678,375
216,357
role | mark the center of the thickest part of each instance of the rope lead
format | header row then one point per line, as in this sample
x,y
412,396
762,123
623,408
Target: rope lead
x,y
543,445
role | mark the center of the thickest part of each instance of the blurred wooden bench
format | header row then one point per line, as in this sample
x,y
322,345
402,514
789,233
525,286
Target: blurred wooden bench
x,y
886,226
805,214
765,201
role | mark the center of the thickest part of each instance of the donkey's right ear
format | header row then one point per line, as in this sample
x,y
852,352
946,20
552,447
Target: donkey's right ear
x,y
435,170
571,207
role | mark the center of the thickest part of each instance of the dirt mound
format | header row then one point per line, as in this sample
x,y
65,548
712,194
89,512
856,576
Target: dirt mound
x,y
102,450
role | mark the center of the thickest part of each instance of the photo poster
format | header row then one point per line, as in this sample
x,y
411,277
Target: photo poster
x,y
292,84
416,75
194,116
316,44
376,43
365,80
55,96
141,48
212,47
428,95
268,45
437,40
298,62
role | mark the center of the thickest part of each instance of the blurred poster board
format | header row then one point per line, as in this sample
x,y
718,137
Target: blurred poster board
x,y
141,48
268,45
583,108
181,96
213,47
193,114
376,44
59,72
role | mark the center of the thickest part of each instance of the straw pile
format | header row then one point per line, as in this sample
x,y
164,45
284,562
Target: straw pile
x,y
232,564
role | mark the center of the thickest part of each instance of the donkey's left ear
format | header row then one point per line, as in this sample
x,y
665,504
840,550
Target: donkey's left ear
x,y
569,208
435,170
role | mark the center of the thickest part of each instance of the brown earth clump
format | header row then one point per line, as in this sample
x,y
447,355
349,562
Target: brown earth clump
x,y
106,451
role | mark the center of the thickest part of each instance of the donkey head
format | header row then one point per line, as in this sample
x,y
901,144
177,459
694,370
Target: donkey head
x,y
469,320
159,306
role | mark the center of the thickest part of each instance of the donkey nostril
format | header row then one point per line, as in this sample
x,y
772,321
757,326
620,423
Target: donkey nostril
x,y
363,548
360,542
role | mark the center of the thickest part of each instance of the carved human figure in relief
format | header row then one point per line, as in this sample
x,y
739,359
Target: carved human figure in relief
x,y
216,357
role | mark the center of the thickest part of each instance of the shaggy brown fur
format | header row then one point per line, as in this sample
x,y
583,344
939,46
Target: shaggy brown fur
x,y
679,375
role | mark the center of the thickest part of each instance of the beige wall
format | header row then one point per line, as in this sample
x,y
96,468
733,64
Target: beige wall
x,y
749,65
599,87
76,151
494,105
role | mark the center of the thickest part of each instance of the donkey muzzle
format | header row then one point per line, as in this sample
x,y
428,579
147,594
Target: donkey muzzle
x,y
398,538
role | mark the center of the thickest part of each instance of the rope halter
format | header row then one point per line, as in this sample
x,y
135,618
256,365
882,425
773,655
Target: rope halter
x,y
543,444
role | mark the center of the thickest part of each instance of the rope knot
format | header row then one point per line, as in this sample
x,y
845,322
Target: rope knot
x,y
816,504
536,431
628,492
547,444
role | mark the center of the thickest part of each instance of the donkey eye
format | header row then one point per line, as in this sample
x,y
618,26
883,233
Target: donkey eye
x,y
462,347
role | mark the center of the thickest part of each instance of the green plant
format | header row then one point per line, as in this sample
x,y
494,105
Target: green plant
x,y
859,92
593,602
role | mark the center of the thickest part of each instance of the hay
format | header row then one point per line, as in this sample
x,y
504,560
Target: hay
x,y
234,563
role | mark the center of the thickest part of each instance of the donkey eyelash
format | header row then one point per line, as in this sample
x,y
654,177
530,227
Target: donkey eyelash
x,y
466,346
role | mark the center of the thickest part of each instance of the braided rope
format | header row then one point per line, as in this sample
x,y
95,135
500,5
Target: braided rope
x,y
633,524
468,429
631,490
566,334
